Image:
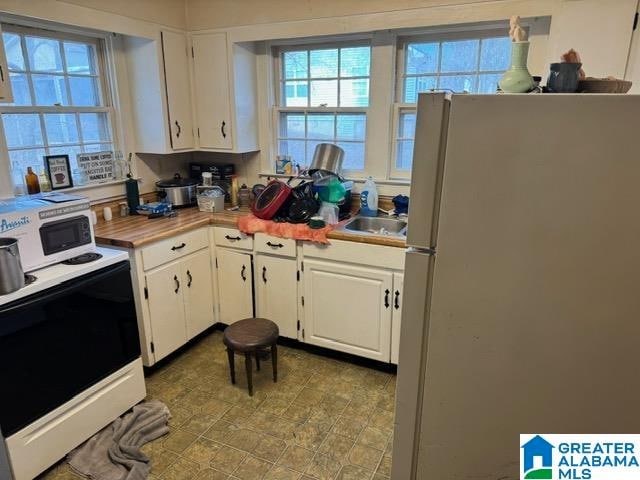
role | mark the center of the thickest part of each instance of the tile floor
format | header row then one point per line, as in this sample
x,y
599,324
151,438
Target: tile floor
x,y
324,419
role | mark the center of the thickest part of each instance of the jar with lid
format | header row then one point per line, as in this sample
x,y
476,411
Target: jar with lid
x,y
244,195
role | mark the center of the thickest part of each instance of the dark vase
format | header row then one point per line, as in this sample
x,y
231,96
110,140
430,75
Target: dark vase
x,y
564,77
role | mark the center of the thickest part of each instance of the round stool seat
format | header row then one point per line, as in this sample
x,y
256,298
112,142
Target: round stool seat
x,y
251,334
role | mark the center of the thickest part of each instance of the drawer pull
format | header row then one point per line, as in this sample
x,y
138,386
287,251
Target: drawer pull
x,y
386,298
190,279
175,279
231,239
178,247
244,277
397,300
275,245
264,274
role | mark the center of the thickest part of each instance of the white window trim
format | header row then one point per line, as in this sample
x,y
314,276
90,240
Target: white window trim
x,y
106,75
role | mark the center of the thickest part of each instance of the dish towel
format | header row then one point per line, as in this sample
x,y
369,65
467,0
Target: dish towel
x,y
251,224
114,452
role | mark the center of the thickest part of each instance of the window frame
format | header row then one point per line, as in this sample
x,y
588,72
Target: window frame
x,y
103,78
279,84
400,106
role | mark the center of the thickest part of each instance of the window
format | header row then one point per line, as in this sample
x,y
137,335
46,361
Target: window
x,y
60,101
323,96
473,65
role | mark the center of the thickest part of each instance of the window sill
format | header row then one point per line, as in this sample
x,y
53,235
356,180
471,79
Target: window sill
x,y
379,181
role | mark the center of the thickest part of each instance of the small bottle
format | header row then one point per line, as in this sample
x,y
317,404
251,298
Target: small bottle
x,y
244,195
33,185
45,185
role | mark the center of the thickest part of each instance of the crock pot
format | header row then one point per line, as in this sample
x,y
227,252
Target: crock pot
x,y
178,191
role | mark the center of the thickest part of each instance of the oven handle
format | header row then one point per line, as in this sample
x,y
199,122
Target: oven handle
x,y
66,287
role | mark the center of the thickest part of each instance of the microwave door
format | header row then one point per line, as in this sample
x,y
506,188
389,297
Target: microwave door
x,y
65,234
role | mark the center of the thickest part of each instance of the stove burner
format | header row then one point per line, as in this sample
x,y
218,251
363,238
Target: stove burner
x,y
84,258
29,279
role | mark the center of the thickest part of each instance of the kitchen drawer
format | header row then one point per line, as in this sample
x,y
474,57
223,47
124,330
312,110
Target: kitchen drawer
x,y
175,247
355,252
232,237
276,245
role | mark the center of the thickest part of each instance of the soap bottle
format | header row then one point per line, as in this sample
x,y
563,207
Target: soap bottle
x,y
33,185
369,199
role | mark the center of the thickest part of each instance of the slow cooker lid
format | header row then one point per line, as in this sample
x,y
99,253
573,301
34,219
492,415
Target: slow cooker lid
x,y
177,181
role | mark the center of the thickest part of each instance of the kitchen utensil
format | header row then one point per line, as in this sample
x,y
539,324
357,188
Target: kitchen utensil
x,y
328,158
329,212
11,273
330,189
563,77
316,222
302,204
271,199
178,191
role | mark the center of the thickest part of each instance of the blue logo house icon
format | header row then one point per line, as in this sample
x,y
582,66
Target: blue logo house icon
x,y
538,447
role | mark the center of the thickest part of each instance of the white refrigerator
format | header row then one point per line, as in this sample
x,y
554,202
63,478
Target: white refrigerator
x,y
522,284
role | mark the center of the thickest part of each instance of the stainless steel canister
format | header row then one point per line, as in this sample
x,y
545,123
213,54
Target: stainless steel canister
x,y
327,158
11,274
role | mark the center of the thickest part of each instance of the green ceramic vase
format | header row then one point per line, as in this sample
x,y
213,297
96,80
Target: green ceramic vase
x,y
517,79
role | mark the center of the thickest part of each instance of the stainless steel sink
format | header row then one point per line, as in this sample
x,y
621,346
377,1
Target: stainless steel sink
x,y
385,226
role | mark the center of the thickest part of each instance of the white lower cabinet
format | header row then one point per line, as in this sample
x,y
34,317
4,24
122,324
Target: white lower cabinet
x,y
235,286
198,292
398,283
348,308
276,292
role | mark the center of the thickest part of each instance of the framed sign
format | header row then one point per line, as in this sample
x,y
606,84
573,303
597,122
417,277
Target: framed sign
x,y
59,171
96,167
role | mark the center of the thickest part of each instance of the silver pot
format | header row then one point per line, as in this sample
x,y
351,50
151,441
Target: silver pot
x,y
11,274
178,191
327,158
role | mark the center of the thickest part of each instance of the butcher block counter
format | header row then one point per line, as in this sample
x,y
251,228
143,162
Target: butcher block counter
x,y
137,230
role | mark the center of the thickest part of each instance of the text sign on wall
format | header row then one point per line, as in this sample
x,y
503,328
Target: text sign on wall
x,y
97,167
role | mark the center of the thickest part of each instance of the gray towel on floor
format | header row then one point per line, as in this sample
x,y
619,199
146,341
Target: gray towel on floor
x,y
114,452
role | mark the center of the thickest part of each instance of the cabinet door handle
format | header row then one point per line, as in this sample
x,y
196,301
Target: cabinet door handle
x,y
179,129
231,239
264,274
275,245
397,300
1,74
190,279
386,298
224,134
178,247
175,279
242,274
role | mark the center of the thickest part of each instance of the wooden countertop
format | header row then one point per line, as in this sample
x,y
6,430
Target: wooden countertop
x,y
137,230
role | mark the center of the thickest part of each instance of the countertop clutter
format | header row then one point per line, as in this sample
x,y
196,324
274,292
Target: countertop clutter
x,y
136,230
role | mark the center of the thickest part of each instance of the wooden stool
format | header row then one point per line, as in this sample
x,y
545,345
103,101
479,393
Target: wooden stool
x,y
251,336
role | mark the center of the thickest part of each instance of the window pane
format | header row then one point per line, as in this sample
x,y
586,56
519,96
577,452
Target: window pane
x,y
295,64
355,62
324,63
488,82
20,87
98,147
292,125
351,127
495,54
407,126
95,127
44,54
320,126
61,128
22,129
84,91
296,93
324,93
415,85
459,56
13,50
354,93
422,58
21,159
457,83
293,148
404,154
72,151
311,148
353,155
50,90
79,57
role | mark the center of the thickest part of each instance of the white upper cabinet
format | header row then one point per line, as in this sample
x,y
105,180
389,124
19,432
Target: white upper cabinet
x,y
224,94
158,71
6,94
176,73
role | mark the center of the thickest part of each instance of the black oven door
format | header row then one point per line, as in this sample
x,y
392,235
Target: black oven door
x,y
65,234
56,343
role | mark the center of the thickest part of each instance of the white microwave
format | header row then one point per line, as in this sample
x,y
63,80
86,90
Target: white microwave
x,y
50,227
